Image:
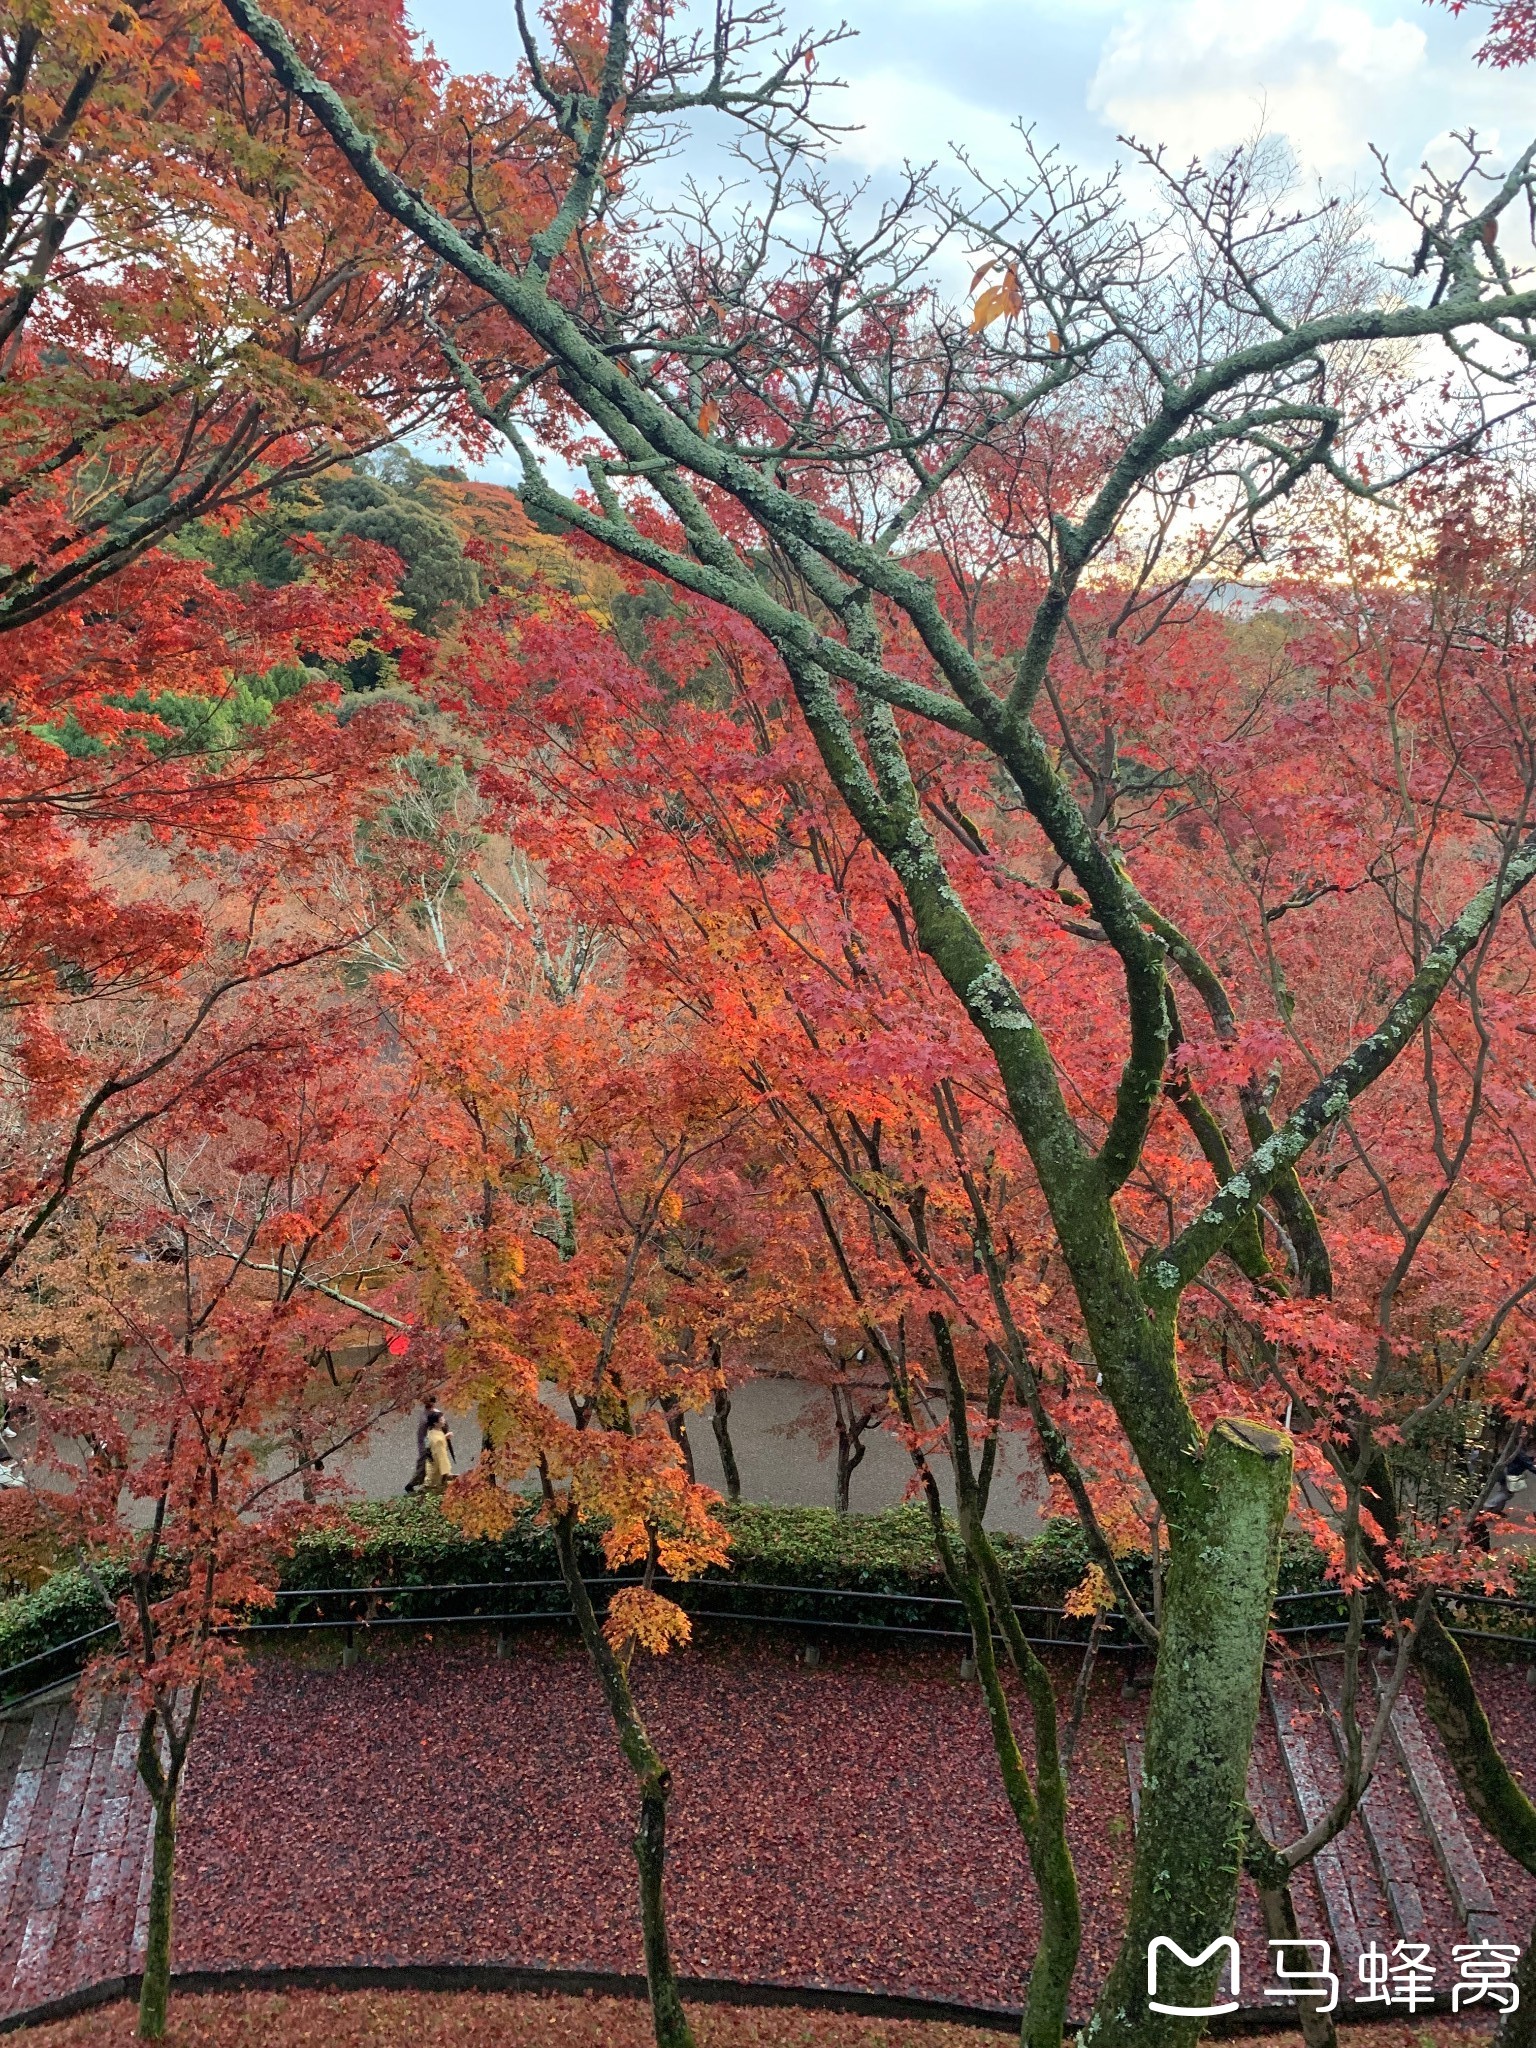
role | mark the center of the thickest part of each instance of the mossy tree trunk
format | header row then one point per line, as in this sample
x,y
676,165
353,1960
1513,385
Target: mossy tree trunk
x,y
1205,1702
1037,1800
1491,1788
155,1986
1050,1855
1278,1906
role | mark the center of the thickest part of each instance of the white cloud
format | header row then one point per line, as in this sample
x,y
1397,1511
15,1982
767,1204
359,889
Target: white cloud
x,y
898,117
1198,74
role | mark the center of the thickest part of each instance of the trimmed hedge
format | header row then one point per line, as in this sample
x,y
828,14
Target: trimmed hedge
x,y
815,1556
411,1542
801,1564
791,1564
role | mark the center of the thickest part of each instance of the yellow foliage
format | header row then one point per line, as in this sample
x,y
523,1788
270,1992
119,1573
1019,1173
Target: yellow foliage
x,y
1122,1521
998,301
1093,1596
481,1508
28,1554
505,1261
637,1616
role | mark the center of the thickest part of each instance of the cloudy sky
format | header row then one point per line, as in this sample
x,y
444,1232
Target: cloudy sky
x,y
1333,75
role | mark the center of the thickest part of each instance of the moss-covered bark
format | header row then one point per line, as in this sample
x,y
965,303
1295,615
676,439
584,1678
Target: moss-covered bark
x,y
1040,1811
1272,1879
155,1987
1039,1805
1205,1701
1491,1788
1050,1857
1492,1791
669,2021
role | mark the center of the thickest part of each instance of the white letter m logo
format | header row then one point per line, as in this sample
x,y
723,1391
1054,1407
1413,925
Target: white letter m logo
x,y
1234,1965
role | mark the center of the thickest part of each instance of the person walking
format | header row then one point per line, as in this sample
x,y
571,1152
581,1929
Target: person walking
x,y
431,1418
439,1457
1513,1482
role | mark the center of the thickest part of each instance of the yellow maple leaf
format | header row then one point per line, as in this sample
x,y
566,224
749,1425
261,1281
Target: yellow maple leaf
x,y
997,301
505,1262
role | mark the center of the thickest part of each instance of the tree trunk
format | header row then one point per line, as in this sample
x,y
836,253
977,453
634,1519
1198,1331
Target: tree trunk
x,y
677,1429
720,1422
1061,1920
846,1461
1050,1858
669,2021
155,1989
1492,1791
850,1444
1281,1924
1040,1809
1222,1566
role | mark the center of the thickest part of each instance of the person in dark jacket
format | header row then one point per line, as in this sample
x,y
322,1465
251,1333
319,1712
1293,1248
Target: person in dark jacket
x,y
1514,1483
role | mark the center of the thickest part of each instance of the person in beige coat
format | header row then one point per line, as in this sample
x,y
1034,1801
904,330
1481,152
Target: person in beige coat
x,y
438,1453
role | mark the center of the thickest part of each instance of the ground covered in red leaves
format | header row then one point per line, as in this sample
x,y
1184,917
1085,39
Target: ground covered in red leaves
x,y
436,2020
840,1826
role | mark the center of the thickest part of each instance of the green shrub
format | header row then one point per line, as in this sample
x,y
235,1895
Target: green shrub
x,y
788,1564
411,1544
42,1626
792,1563
801,1564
